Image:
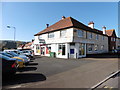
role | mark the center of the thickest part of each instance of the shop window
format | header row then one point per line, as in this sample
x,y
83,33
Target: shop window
x,y
96,47
61,49
81,49
90,47
102,47
48,49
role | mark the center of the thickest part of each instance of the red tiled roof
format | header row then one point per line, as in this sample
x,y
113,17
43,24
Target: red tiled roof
x,y
67,23
110,32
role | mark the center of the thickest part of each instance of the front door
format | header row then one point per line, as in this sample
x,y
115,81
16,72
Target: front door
x,y
42,50
72,50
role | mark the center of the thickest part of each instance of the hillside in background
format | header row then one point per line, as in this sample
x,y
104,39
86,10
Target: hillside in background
x,y
10,44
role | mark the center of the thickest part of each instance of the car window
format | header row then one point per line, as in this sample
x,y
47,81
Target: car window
x,y
4,57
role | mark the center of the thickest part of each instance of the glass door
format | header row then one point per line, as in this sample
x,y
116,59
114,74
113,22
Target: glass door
x,y
82,49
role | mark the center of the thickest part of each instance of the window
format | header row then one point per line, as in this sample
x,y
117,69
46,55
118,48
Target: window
x,y
102,47
102,37
96,48
63,33
97,36
61,49
112,39
40,37
89,35
50,35
80,33
82,49
90,47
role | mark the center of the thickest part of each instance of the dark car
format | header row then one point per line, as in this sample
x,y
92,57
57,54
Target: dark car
x,y
9,65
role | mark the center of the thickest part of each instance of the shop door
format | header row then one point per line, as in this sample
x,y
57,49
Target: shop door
x,y
42,50
82,51
72,51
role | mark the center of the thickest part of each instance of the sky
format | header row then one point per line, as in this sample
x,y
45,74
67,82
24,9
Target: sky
x,y
30,18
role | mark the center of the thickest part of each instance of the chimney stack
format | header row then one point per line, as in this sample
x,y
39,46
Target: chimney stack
x,y
47,25
63,17
91,24
104,29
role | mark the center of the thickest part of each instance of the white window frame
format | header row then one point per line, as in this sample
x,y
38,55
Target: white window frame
x,y
51,35
63,33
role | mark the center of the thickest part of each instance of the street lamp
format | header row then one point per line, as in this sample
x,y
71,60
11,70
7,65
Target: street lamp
x,y
14,30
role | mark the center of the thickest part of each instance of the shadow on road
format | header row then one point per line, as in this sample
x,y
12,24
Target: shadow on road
x,y
23,78
32,64
105,55
27,69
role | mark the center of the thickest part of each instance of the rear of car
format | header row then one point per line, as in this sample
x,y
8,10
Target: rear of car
x,y
9,65
20,61
26,59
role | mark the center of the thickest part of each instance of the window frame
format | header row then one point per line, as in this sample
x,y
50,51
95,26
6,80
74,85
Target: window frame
x,y
51,35
80,33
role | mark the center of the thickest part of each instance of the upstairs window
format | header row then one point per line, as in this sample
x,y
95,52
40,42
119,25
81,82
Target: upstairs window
x,y
89,35
80,33
102,37
51,35
63,33
112,39
97,36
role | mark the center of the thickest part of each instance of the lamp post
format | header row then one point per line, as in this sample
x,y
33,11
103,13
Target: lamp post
x,y
14,30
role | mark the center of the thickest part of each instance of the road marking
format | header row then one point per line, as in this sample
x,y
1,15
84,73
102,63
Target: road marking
x,y
95,86
18,86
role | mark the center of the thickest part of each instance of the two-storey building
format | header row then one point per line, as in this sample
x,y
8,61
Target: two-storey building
x,y
69,38
117,43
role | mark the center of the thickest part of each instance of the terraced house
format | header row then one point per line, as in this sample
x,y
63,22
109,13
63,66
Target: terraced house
x,y
69,38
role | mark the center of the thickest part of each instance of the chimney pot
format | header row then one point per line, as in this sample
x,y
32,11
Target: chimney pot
x,y
104,29
63,17
91,24
47,25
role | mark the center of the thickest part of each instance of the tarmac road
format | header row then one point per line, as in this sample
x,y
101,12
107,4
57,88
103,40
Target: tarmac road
x,y
45,72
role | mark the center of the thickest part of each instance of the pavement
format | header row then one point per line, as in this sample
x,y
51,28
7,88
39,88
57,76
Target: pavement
x,y
46,72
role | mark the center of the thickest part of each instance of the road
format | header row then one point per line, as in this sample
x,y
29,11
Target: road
x,y
46,72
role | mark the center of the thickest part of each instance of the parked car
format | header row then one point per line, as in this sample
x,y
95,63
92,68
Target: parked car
x,y
9,65
26,59
28,53
20,61
116,51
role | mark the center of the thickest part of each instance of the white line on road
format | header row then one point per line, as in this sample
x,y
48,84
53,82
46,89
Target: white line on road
x,y
18,86
95,86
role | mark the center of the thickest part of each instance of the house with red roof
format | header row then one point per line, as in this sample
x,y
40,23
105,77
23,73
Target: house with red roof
x,y
69,38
